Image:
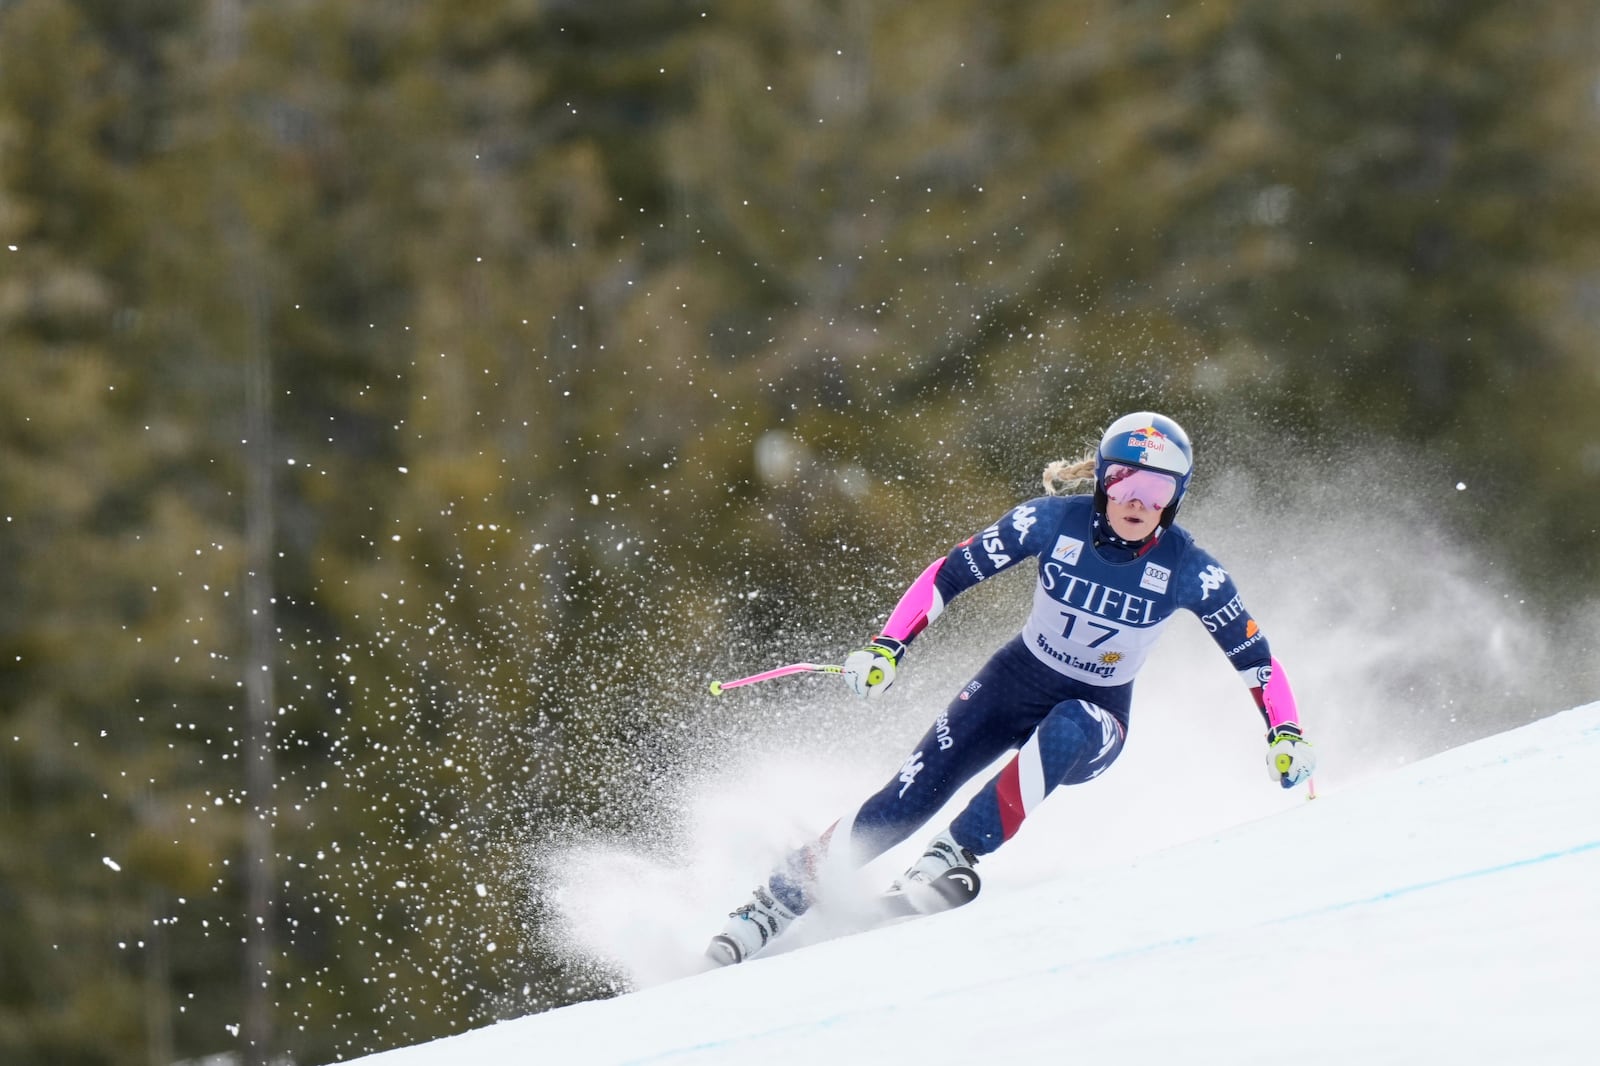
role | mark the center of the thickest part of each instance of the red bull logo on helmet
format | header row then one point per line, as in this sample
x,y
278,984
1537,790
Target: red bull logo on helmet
x,y
1148,439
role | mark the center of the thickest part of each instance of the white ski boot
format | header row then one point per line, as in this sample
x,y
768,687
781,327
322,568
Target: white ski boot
x,y
750,928
943,853
940,879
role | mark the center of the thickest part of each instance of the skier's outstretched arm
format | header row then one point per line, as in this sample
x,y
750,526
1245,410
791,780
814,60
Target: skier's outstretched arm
x,y
871,670
1290,756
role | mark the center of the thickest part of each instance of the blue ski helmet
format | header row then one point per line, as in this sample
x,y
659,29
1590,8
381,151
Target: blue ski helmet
x,y
1149,441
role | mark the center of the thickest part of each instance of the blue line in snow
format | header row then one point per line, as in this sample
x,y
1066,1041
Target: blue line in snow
x,y
1467,875
1344,905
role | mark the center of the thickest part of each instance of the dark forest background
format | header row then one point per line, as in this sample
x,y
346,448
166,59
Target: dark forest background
x,y
406,407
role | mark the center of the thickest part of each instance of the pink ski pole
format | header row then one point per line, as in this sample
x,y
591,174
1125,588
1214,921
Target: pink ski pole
x,y
717,687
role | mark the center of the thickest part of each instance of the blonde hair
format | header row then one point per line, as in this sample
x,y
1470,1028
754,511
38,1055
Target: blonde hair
x,y
1070,477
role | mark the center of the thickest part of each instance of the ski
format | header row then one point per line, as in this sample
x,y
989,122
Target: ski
x,y
954,888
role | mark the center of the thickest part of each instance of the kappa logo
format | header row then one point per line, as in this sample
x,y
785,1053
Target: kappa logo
x,y
1155,578
1022,520
1067,550
1211,579
909,772
1110,736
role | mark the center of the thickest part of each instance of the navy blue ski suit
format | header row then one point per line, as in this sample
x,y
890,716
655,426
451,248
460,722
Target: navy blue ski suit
x,y
1058,693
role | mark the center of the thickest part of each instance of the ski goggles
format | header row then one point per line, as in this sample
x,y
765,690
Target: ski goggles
x,y
1150,487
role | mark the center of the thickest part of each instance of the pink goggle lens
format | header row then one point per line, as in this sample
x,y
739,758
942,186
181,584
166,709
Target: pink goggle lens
x,y
1150,487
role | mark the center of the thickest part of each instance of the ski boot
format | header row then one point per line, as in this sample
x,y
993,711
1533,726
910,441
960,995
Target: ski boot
x,y
943,853
750,928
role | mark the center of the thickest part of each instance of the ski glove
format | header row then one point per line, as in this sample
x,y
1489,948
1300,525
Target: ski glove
x,y
1290,756
871,670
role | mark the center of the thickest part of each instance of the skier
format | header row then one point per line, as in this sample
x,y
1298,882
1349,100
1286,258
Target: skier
x,y
1112,569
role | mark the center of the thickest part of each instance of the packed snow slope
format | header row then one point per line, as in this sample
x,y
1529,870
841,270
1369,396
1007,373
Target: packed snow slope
x,y
1447,911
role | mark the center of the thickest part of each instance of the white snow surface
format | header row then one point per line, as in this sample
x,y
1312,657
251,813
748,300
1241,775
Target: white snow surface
x,y
1445,911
